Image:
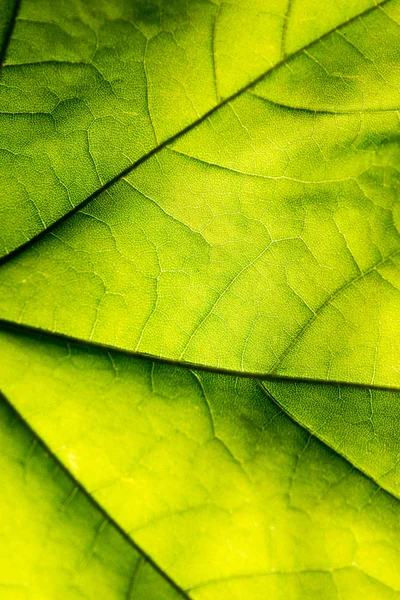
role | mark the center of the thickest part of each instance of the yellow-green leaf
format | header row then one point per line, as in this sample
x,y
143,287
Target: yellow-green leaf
x,y
88,89
362,424
232,498
54,542
265,239
214,186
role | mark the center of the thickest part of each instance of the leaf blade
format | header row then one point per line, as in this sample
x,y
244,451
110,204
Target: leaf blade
x,y
55,542
215,473
282,215
71,41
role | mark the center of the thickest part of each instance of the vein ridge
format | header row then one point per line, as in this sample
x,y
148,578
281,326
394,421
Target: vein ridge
x,y
38,332
20,249
144,557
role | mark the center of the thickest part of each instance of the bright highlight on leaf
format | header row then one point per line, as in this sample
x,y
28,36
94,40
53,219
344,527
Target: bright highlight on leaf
x,y
213,185
208,475
63,545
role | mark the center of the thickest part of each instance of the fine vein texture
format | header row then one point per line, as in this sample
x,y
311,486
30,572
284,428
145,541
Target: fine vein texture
x,y
266,239
214,183
54,542
230,496
89,88
361,424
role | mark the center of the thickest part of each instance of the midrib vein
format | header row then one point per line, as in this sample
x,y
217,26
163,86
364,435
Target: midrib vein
x,y
183,132
81,487
32,331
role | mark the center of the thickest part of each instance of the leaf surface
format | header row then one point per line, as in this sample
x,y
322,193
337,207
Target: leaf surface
x,y
362,424
229,495
264,240
89,89
216,185
54,542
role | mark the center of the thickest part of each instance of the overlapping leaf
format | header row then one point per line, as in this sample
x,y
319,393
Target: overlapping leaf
x,y
226,177
209,476
263,240
362,424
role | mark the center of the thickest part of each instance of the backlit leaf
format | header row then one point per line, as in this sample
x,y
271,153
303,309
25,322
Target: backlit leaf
x,y
200,299
54,542
264,240
203,471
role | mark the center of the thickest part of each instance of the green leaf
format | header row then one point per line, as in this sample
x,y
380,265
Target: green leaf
x,y
7,16
55,543
265,239
213,186
88,89
229,495
361,424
